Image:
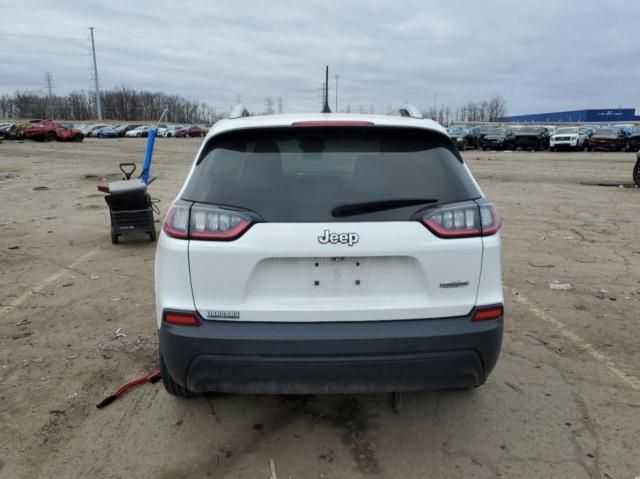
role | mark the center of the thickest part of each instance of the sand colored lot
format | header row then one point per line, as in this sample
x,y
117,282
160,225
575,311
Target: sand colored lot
x,y
563,401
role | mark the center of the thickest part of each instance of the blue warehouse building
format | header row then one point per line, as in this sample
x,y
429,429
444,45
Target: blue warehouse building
x,y
578,116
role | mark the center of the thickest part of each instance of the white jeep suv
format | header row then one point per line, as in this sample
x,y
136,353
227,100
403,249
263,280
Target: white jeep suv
x,y
328,253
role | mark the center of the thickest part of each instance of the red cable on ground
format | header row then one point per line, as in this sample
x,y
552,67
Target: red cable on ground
x,y
152,377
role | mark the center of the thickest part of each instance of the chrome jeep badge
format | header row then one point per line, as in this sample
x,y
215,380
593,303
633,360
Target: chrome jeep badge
x,y
334,238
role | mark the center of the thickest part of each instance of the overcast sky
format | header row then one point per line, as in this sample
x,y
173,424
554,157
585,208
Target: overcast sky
x,y
539,55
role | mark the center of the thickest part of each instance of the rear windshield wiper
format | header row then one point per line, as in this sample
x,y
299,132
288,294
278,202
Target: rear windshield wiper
x,y
352,209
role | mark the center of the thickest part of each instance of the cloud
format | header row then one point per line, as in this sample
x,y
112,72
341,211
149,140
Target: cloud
x,y
539,56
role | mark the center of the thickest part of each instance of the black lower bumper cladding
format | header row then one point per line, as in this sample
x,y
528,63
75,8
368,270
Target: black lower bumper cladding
x,y
315,358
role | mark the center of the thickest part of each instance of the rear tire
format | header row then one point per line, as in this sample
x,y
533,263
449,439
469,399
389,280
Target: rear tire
x,y
171,386
114,238
153,235
636,174
51,136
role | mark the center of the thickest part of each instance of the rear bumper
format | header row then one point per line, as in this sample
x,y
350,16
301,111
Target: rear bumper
x,y
315,358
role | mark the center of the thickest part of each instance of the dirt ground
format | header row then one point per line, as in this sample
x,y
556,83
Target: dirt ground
x,y
563,401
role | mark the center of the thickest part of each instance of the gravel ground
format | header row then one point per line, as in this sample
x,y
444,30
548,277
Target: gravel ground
x,y
563,401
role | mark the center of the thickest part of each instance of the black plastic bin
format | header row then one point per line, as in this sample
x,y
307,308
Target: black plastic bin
x,y
131,214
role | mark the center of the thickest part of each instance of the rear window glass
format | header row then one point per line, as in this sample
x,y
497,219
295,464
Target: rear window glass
x,y
302,173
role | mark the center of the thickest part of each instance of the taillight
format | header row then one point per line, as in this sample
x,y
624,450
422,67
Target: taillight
x,y
463,220
488,312
205,222
181,319
489,218
176,224
211,223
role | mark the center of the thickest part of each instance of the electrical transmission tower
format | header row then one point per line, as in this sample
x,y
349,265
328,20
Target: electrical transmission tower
x,y
95,76
49,80
268,105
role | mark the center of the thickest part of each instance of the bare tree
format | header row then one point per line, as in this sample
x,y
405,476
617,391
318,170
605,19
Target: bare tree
x,y
497,108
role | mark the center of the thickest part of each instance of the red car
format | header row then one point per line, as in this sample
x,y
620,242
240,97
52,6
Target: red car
x,y
611,139
48,130
191,132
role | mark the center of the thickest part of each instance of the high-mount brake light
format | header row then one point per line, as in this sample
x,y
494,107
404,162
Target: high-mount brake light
x,y
304,124
463,221
205,222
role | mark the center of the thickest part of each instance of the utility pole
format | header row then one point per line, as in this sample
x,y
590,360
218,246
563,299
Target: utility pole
x,y
95,76
337,78
435,106
280,105
325,107
49,80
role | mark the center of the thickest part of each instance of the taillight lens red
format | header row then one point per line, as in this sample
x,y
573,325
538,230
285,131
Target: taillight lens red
x,y
176,224
205,222
463,221
488,312
210,223
181,319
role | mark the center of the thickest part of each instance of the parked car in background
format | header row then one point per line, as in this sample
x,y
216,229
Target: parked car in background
x,y
161,129
171,130
107,132
6,130
190,132
608,139
633,140
123,129
531,138
569,138
139,132
501,138
481,132
462,137
48,130
92,131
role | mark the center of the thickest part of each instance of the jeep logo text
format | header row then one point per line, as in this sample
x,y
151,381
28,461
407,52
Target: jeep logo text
x,y
334,238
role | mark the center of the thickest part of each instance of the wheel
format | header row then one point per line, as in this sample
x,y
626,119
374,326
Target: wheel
x,y
114,238
153,235
137,135
552,149
636,174
78,138
170,385
51,136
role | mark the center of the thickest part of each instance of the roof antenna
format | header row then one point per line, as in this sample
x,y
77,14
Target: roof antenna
x,y
325,108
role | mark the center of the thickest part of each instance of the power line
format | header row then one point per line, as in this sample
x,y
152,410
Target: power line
x,y
27,35
17,52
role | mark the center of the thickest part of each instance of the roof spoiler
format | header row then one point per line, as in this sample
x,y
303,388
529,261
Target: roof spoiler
x,y
410,111
239,111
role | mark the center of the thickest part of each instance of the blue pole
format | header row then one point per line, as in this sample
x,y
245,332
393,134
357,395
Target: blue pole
x,y
148,155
